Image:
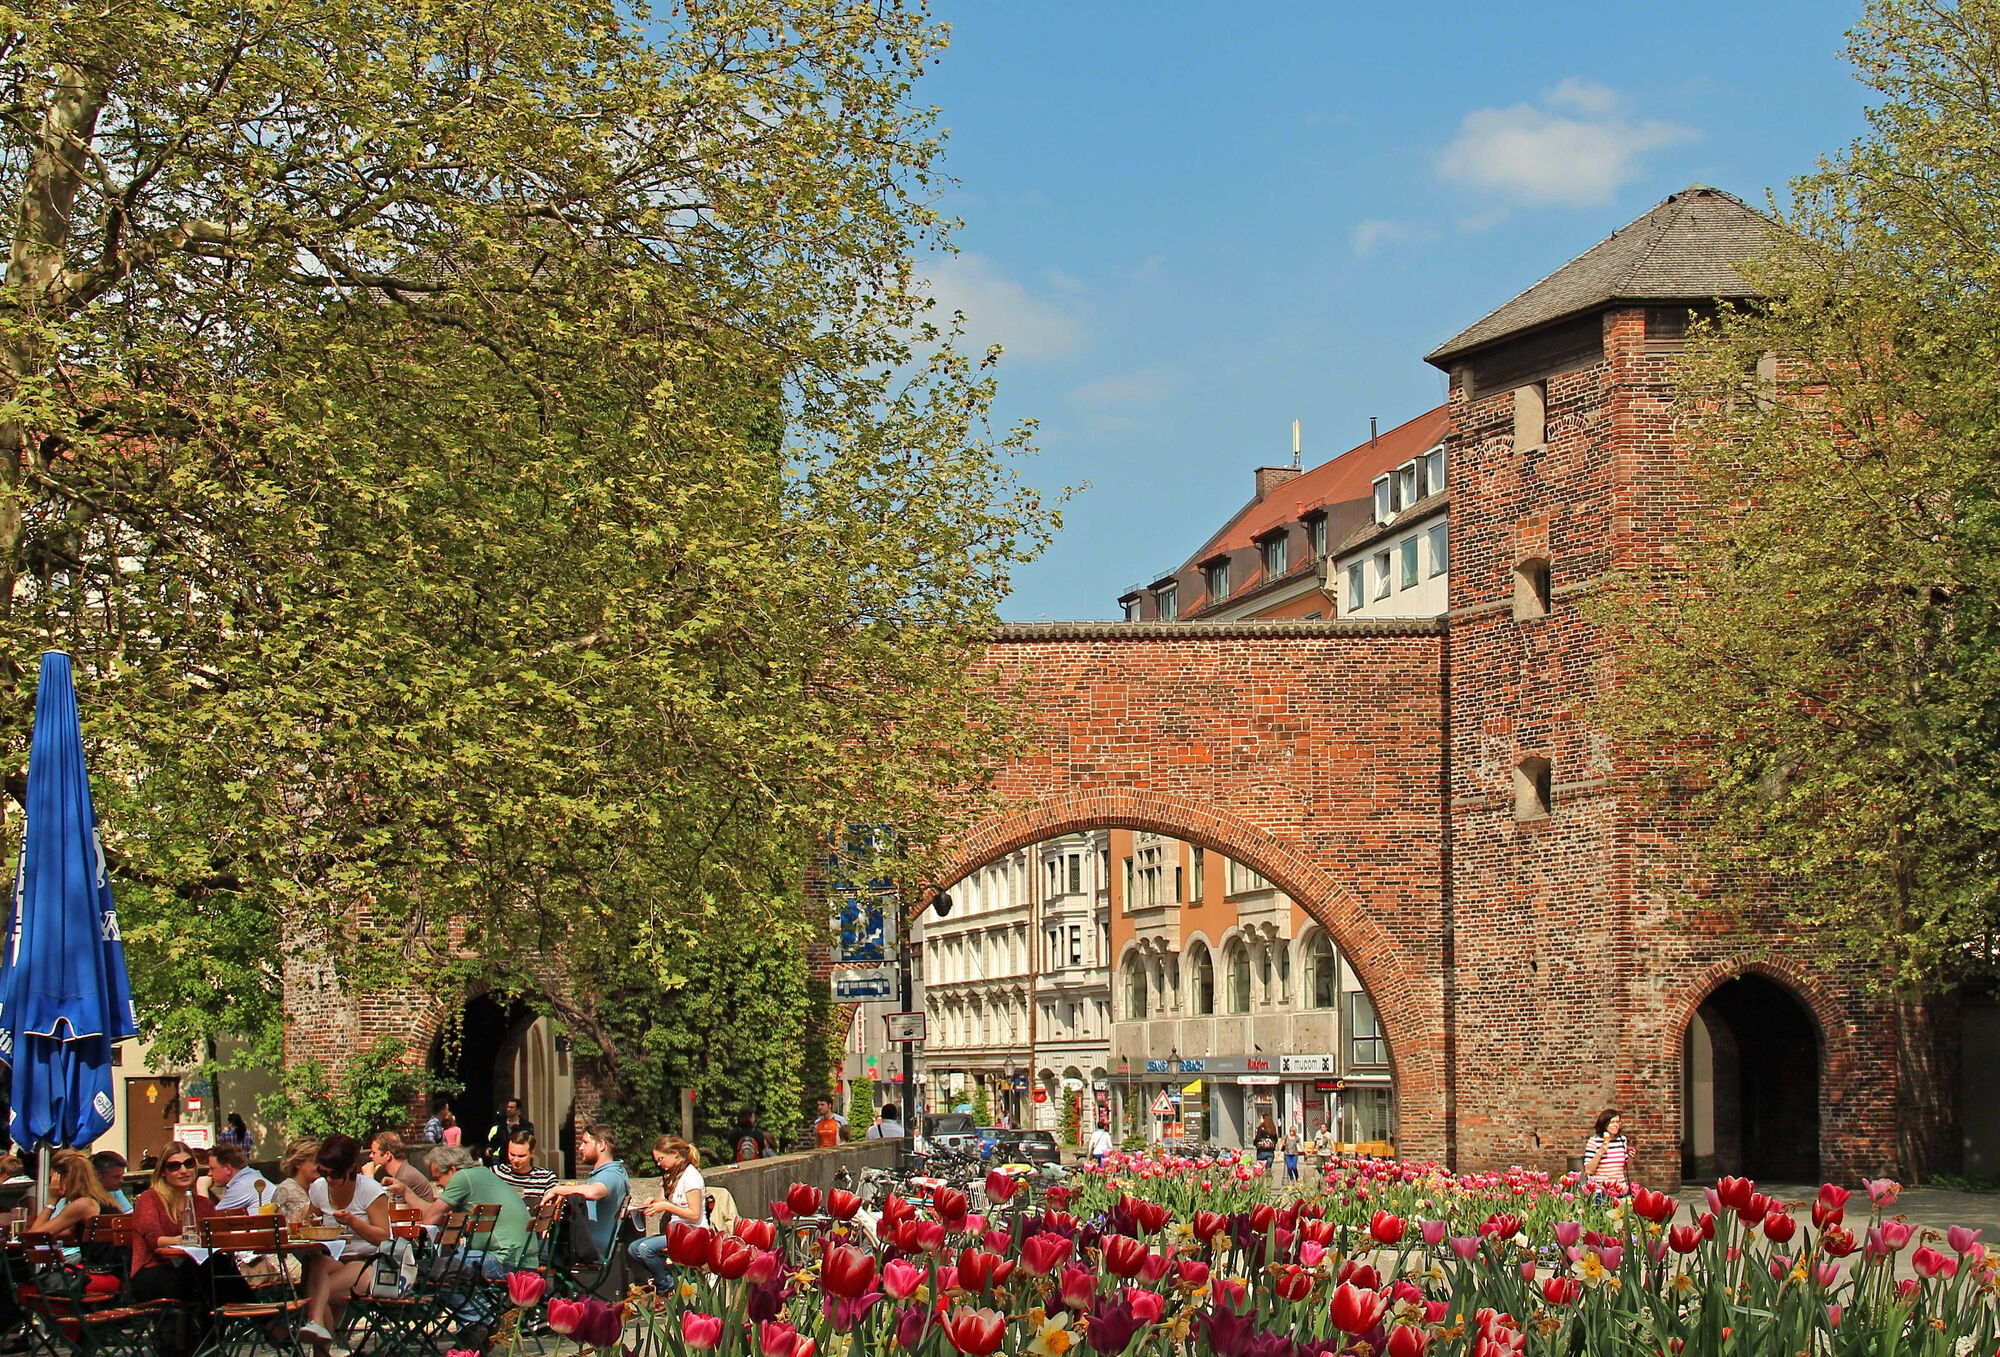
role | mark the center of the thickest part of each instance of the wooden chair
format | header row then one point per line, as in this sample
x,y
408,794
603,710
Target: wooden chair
x,y
62,1319
240,1326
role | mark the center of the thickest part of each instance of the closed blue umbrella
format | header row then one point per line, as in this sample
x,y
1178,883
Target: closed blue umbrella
x,y
65,999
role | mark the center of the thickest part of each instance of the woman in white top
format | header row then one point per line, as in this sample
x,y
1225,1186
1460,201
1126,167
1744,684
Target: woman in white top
x,y
1607,1153
685,1199
360,1208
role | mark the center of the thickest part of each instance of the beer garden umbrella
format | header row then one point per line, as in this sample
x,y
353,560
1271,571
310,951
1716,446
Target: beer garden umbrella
x,y
65,998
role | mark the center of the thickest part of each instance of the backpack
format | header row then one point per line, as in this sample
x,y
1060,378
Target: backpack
x,y
574,1246
748,1146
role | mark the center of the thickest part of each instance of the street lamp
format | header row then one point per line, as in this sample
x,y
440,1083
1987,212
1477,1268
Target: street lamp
x,y
941,902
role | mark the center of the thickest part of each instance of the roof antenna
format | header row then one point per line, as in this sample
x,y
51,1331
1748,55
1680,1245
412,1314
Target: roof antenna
x,y
1295,445
1372,435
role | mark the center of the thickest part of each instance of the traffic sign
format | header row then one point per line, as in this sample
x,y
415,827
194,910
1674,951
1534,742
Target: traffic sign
x,y
904,1026
850,988
1163,1106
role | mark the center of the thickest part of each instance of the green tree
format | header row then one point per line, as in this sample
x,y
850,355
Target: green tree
x,y
982,1111
480,463
1816,674
860,1108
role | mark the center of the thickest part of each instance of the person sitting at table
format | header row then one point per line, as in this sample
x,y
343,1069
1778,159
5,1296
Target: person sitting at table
x,y
75,1198
110,1166
360,1208
161,1268
296,1172
389,1164
236,1186
464,1183
520,1171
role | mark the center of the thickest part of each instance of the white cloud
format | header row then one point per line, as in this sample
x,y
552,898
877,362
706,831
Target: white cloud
x,y
1374,233
998,310
1574,148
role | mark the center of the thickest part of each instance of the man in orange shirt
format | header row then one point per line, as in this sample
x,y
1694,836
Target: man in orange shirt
x,y
826,1126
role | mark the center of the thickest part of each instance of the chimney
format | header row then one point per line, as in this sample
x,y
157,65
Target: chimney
x,y
1269,478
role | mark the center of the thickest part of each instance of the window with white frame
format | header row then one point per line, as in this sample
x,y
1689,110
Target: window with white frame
x,y
1276,556
1440,539
1385,508
1365,1043
1075,873
1199,864
1357,587
1167,603
1406,563
1076,944
1215,578
1434,472
1382,578
1408,484
1131,610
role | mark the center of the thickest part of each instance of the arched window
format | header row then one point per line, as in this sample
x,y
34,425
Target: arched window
x,y
1323,972
1201,966
1135,989
1239,978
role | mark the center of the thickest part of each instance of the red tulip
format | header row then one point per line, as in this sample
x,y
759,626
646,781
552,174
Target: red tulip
x,y
1356,1310
1147,1306
1406,1341
842,1205
1042,1254
565,1316
805,1347
1501,1226
688,1245
998,1241
1124,1255
701,1332
1735,1192
1261,1216
730,1257
1191,1273
764,1265
848,1272
1000,1187
1386,1229
1657,1207
1779,1227
775,1338
1561,1290
1320,1232
1754,1209
1207,1225
1294,1284
1836,1241
1155,1267
896,1210
1825,1213
1078,1288
979,1270
976,1333
1361,1274
526,1289
1150,1216
1229,1289
1684,1239
758,1234
804,1199
951,1207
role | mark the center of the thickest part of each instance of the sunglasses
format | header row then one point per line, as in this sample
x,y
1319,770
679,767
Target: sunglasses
x,y
173,1164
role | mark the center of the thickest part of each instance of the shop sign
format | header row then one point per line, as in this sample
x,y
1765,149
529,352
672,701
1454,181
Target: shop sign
x,y
1174,1066
1330,1085
1041,1095
1259,1080
1256,1064
1307,1064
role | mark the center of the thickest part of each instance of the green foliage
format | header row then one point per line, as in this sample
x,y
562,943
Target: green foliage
x,y
860,1108
503,510
982,1111
1815,676
372,1092
1071,1132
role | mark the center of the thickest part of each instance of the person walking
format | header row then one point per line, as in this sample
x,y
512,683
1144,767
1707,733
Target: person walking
x,y
1265,1143
1100,1143
1291,1150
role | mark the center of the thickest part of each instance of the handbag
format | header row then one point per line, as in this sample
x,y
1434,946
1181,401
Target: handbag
x,y
394,1270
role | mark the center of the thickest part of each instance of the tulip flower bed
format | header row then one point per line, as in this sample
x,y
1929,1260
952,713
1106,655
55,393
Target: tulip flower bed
x,y
1219,1273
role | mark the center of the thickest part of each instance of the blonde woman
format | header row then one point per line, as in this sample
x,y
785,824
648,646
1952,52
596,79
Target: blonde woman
x,y
75,1197
160,1270
298,1169
684,1198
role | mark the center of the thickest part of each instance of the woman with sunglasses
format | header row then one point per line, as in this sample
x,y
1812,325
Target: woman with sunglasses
x,y
160,1270
359,1206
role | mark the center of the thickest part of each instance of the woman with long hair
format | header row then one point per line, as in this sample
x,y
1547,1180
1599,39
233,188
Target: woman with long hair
x,y
684,1197
75,1196
297,1168
359,1207
164,1218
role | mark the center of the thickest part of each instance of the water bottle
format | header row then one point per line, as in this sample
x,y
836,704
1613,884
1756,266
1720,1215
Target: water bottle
x,y
190,1232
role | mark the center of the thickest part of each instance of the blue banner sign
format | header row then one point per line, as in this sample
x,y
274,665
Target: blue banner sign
x,y
863,895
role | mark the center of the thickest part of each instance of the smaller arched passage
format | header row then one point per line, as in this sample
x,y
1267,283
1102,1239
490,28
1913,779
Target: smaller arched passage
x,y
1406,990
1753,1068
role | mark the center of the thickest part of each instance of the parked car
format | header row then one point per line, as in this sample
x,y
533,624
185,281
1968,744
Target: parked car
x,y
1027,1147
952,1132
988,1137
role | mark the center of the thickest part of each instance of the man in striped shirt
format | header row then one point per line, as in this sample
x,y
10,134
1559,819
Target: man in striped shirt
x,y
522,1173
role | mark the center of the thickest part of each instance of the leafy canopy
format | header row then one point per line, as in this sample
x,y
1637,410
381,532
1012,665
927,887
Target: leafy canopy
x,y
1823,679
492,469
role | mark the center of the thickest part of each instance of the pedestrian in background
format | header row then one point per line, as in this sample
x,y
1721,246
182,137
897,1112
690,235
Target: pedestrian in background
x,y
1265,1143
1292,1153
237,1134
1607,1154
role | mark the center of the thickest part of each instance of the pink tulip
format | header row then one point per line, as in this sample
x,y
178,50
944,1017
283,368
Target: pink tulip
x,y
1930,1263
1568,1232
1833,1313
1465,1246
764,1265
1311,1254
1434,1232
1611,1255
565,1317
525,1289
776,1338
1962,1240
699,1331
901,1279
1883,1191
1827,1275
1147,1306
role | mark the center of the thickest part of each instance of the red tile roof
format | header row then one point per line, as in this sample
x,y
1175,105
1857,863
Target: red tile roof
x,y
1350,476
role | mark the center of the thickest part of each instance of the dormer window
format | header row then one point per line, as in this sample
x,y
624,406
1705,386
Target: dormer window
x,y
1166,603
1408,483
1316,535
1131,610
1215,578
1434,472
1277,555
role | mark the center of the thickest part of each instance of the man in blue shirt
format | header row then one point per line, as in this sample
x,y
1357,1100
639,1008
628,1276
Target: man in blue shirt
x,y
606,1187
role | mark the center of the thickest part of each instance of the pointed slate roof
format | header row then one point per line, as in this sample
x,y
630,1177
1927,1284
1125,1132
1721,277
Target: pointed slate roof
x,y
1685,249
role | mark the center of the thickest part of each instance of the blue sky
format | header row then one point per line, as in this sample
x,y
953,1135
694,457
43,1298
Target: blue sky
x,y
1192,224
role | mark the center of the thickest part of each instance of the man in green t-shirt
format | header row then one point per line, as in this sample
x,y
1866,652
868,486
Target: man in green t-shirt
x,y
462,1184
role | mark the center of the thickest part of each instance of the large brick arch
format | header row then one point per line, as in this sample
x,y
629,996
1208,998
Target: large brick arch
x,y
1404,988
1312,752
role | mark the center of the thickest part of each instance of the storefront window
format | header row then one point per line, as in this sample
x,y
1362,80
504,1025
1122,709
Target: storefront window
x,y
1369,1114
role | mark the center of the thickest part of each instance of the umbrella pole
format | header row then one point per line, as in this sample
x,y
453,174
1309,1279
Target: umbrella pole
x,y
42,1181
